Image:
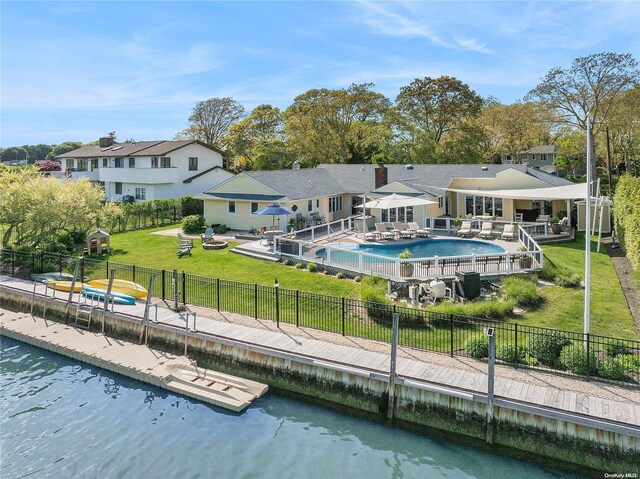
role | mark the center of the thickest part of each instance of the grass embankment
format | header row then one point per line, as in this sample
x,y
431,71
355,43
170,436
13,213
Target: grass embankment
x,y
158,251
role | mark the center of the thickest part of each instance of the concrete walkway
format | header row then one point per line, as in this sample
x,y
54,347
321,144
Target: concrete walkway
x,y
559,392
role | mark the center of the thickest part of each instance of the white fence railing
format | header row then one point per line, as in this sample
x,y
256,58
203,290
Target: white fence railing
x,y
350,259
324,230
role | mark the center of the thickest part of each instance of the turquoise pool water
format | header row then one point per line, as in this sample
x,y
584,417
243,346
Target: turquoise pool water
x,y
63,419
421,249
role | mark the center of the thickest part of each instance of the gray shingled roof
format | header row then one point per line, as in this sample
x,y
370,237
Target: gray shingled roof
x,y
139,148
331,179
542,149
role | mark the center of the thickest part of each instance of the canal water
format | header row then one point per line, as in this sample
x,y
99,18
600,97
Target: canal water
x,y
63,419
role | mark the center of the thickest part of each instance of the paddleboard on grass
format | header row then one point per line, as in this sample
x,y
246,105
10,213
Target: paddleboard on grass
x,y
66,285
128,288
118,298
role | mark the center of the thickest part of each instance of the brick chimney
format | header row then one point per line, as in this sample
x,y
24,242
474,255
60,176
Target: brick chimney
x,y
105,141
381,175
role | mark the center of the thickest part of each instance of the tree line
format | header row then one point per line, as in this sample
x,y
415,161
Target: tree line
x,y
437,120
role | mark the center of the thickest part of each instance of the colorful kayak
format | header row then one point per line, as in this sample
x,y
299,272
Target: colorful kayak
x,y
99,294
42,277
128,288
66,286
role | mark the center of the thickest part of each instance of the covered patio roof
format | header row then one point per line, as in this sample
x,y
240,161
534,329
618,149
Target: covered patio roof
x,y
566,192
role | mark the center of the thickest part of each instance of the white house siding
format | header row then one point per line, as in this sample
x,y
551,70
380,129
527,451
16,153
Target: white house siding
x,y
217,212
242,183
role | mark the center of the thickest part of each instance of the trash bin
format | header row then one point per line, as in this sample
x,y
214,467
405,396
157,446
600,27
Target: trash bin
x,y
468,284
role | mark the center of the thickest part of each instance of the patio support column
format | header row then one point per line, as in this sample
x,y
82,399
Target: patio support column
x,y
569,212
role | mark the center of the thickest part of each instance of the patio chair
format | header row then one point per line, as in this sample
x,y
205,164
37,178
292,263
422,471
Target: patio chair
x,y
382,231
365,234
183,248
543,219
465,229
564,222
207,235
184,241
509,232
402,230
487,230
419,232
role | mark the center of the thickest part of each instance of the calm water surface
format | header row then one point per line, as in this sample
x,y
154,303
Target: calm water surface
x,y
63,419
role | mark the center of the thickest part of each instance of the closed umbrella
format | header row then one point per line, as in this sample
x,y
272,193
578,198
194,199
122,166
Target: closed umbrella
x,y
274,210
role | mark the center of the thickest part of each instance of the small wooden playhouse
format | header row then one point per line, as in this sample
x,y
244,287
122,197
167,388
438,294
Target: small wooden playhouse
x,y
98,241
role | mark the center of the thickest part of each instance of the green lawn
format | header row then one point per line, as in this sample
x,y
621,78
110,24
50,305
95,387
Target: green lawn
x,y
156,251
563,307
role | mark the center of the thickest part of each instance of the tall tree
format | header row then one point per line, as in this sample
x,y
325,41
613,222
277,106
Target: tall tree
x,y
592,86
211,120
338,126
65,147
436,106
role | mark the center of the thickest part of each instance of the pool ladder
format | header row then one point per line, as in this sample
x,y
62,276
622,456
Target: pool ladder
x,y
86,306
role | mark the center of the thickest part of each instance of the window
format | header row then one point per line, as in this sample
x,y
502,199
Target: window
x,y
141,193
335,204
193,163
441,202
119,188
165,162
82,164
154,162
498,207
118,162
254,207
488,206
70,163
94,164
132,162
318,203
105,162
309,205
232,207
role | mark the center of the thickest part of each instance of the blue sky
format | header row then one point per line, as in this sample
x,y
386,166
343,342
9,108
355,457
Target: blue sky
x,y
77,70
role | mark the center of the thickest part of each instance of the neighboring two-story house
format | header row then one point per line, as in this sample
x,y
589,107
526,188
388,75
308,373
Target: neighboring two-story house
x,y
147,170
541,157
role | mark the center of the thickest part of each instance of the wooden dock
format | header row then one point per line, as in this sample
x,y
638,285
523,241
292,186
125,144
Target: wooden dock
x,y
177,374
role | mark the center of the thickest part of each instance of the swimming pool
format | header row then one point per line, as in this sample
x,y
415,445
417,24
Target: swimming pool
x,y
427,248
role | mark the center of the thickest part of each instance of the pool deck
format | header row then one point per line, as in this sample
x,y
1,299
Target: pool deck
x,y
611,407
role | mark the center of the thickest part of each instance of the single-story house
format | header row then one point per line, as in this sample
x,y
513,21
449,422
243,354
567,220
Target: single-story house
x,y
333,191
147,170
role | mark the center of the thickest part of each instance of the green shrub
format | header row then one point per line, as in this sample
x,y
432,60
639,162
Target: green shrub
x,y
548,271
287,262
522,290
357,279
299,266
566,280
626,217
477,347
340,275
612,368
193,224
60,242
220,229
616,349
546,346
312,267
574,358
510,353
190,206
478,309
631,363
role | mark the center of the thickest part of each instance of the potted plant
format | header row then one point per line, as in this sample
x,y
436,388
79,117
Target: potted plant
x,y
457,221
406,268
525,261
556,227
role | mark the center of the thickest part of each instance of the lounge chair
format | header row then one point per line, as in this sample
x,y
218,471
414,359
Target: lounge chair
x,y
208,235
365,234
487,230
564,223
419,232
402,230
382,231
509,232
465,229
183,248
184,241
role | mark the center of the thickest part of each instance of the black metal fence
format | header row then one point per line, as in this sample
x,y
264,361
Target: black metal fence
x,y
608,358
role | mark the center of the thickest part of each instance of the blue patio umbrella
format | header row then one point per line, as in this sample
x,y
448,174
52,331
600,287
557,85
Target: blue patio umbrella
x,y
274,210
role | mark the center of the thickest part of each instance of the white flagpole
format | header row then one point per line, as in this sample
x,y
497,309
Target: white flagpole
x,y
587,234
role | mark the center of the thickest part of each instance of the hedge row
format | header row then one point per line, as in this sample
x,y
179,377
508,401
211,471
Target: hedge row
x,y
626,217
